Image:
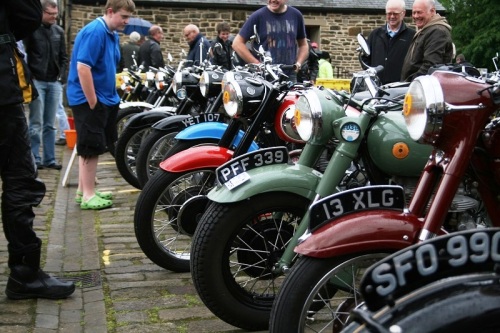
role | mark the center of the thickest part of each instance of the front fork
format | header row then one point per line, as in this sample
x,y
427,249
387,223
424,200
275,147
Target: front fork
x,y
340,161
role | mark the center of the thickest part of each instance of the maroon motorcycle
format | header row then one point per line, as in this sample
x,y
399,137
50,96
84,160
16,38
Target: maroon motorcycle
x,y
459,189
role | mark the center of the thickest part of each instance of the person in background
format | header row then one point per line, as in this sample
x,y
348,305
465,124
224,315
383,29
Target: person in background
x,y
21,188
431,45
221,47
309,69
129,52
390,43
47,60
62,121
460,60
325,66
281,31
150,51
93,97
194,39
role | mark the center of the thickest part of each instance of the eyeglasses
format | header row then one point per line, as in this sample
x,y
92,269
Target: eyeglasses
x,y
394,14
51,14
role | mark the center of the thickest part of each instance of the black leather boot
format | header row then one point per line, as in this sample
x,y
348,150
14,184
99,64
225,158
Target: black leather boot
x,y
25,282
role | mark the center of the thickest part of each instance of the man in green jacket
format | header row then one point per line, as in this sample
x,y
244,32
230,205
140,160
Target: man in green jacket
x,y
431,44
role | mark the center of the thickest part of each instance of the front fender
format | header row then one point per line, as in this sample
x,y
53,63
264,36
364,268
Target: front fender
x,y
145,119
297,179
169,123
361,232
196,158
135,105
211,130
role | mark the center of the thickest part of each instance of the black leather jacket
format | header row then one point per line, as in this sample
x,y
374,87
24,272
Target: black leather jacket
x,y
150,54
18,19
47,45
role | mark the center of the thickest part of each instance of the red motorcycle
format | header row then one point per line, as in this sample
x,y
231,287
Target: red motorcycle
x,y
459,189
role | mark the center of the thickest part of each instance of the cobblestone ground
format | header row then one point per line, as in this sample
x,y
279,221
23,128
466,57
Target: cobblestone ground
x,y
118,288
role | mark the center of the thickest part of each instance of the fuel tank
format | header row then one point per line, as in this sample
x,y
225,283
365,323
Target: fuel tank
x,y
391,148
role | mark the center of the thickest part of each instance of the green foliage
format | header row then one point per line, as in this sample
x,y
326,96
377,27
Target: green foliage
x,y
475,29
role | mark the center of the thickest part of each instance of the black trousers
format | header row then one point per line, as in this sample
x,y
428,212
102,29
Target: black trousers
x,y
21,188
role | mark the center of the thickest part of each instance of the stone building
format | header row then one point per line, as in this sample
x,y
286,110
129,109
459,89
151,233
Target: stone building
x,y
333,24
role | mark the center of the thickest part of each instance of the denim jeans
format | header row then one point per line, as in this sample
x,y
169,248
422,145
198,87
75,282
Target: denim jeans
x,y
42,119
62,119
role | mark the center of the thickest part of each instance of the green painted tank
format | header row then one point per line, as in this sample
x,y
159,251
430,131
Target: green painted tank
x,y
391,148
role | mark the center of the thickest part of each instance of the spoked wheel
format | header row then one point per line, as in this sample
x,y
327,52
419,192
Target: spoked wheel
x,y
167,213
152,151
323,290
235,248
126,151
122,117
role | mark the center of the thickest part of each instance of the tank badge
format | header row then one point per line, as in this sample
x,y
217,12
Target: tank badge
x,y
400,150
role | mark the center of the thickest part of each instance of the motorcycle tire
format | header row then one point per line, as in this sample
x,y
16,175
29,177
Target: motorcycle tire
x,y
153,151
162,234
469,303
127,148
319,293
235,246
121,119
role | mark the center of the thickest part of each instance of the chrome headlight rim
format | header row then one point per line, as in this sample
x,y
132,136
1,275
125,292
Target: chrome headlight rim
x,y
424,109
308,116
232,99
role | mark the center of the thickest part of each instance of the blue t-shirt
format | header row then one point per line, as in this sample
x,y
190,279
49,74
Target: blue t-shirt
x,y
278,32
99,48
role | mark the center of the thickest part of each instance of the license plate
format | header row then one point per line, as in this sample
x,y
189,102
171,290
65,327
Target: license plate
x,y
234,172
354,200
459,253
202,118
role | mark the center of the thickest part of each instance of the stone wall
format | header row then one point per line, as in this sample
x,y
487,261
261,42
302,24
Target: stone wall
x,y
334,32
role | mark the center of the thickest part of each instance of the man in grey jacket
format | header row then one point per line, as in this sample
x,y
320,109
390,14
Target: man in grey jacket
x,y
431,45
47,60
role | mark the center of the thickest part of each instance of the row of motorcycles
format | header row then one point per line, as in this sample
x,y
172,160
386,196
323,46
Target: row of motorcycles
x,y
301,208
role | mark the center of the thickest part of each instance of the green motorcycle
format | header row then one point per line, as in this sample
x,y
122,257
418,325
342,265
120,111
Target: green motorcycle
x,y
243,244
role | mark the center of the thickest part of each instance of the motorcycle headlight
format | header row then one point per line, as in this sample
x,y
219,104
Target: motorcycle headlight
x,y
308,115
177,82
160,80
242,97
210,83
423,109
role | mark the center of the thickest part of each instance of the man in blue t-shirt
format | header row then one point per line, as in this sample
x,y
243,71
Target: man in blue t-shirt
x,y
93,98
281,31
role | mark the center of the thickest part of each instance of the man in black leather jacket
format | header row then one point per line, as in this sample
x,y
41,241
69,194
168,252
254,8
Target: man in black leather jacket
x,y
221,47
150,51
21,190
47,60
